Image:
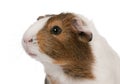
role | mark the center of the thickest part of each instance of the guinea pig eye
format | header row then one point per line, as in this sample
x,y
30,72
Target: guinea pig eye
x,y
56,30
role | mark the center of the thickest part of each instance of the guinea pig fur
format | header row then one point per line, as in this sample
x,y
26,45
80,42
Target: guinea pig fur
x,y
71,50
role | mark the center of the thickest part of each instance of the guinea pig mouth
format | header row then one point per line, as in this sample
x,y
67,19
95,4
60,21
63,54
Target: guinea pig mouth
x,y
31,54
28,51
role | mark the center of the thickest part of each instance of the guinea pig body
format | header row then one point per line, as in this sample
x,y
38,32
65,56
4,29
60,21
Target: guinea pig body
x,y
72,51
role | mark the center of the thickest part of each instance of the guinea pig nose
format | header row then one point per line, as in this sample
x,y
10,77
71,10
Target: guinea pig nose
x,y
28,40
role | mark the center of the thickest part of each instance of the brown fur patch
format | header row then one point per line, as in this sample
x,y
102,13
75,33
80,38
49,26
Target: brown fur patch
x,y
73,55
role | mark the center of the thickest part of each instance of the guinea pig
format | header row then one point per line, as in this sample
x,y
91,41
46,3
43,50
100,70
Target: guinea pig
x,y
71,50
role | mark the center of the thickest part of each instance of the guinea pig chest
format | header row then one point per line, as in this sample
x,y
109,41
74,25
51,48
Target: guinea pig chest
x,y
71,50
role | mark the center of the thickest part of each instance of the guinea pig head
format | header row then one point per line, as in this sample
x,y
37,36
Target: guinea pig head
x,y
62,38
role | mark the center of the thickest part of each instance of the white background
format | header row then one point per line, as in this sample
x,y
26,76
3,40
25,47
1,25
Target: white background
x,y
16,67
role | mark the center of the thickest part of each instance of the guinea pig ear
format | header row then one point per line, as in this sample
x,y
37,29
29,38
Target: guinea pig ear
x,y
80,28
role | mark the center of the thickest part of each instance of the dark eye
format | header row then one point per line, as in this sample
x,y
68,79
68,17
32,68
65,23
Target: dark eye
x,y
56,30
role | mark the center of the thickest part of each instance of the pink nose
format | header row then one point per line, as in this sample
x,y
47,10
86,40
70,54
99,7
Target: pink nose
x,y
28,40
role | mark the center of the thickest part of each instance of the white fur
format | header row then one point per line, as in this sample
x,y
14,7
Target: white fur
x,y
33,47
37,26
107,63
